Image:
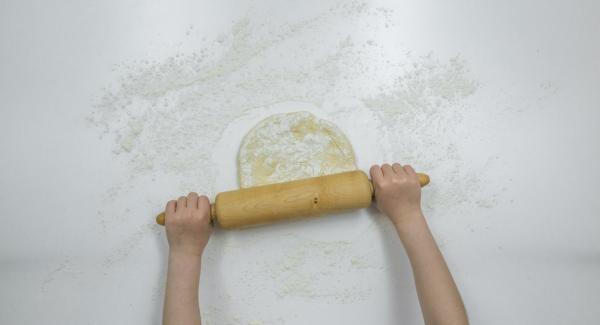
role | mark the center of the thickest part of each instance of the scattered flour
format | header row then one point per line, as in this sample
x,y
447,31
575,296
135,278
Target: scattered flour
x,y
420,114
294,277
62,269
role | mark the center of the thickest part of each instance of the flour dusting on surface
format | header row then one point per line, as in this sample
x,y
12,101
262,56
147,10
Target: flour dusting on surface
x,y
294,276
420,114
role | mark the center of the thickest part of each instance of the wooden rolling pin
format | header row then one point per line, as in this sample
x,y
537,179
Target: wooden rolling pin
x,y
302,198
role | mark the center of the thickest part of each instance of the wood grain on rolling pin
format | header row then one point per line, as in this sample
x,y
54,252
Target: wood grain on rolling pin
x,y
307,197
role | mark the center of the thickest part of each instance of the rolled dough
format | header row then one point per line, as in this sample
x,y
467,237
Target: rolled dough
x,y
285,147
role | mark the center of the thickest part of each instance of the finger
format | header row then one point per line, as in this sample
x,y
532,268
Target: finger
x,y
397,167
192,200
204,206
387,170
410,172
203,202
205,209
170,209
181,202
376,173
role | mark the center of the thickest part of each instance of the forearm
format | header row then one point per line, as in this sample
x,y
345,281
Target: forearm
x,y
438,295
181,296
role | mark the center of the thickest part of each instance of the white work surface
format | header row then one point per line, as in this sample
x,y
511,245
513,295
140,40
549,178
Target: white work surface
x,y
78,244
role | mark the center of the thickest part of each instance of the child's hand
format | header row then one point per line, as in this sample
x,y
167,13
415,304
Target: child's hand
x,y
188,224
397,192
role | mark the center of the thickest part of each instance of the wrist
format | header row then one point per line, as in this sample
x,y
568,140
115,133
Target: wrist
x,y
408,219
183,254
183,276
185,267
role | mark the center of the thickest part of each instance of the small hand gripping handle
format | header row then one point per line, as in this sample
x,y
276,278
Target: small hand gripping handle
x,y
161,218
423,181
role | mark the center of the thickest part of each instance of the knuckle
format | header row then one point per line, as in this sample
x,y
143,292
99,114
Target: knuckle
x,y
384,184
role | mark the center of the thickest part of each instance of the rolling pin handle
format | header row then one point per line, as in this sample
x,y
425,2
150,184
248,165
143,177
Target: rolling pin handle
x,y
160,219
423,179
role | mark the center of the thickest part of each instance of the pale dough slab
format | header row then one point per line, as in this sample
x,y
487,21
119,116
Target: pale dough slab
x,y
290,146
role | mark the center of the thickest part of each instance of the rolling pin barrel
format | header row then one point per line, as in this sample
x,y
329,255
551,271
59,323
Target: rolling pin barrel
x,y
302,198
